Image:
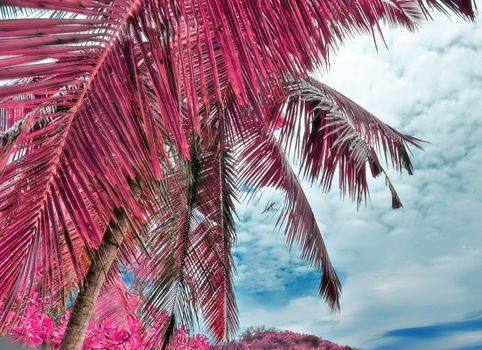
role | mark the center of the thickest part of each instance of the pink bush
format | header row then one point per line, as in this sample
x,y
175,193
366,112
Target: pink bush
x,y
35,328
262,339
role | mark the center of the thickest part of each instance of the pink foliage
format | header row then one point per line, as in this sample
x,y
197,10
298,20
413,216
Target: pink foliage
x,y
184,341
260,339
35,327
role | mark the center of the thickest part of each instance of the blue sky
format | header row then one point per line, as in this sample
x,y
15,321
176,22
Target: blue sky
x,y
412,278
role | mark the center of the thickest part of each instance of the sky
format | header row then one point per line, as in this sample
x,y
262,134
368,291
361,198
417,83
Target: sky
x,y
412,277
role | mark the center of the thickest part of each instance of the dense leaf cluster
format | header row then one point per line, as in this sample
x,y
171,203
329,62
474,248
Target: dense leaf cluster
x,y
271,339
37,328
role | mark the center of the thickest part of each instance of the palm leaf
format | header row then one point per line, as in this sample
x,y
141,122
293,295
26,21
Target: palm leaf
x,y
100,129
263,164
463,8
332,134
189,266
116,302
216,293
162,274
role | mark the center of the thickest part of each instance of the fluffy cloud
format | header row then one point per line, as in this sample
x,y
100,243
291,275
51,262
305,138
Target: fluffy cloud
x,y
413,267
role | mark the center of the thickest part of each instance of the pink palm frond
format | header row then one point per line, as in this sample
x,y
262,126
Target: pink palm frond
x,y
264,164
333,134
116,303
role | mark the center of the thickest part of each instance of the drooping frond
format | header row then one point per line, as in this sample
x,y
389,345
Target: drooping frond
x,y
330,134
75,168
264,164
463,8
163,274
189,266
216,293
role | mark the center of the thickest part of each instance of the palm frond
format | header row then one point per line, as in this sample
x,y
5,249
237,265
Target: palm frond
x,y
331,134
163,275
80,160
264,164
189,266
463,8
216,293
116,302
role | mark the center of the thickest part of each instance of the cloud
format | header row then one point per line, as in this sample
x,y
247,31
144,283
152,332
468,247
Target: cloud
x,y
438,330
439,336
402,269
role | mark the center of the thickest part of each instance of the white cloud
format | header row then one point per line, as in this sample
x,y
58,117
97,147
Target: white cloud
x,y
288,316
412,267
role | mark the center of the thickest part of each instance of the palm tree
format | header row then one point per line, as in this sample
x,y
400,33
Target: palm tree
x,y
127,126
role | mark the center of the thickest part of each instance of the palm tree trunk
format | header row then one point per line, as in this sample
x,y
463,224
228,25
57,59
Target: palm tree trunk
x,y
94,280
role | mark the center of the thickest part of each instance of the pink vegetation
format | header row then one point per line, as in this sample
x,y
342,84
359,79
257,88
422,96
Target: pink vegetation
x,y
261,339
35,327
